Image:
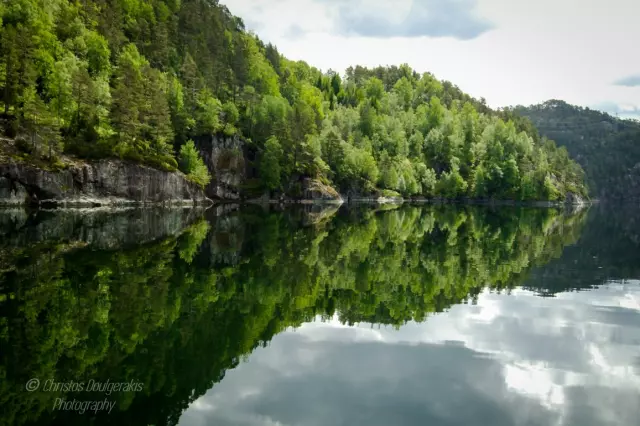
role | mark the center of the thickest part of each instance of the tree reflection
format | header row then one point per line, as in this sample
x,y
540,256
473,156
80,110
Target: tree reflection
x,y
178,312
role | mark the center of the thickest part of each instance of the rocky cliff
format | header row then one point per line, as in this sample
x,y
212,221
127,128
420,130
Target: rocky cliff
x,y
316,191
226,159
103,182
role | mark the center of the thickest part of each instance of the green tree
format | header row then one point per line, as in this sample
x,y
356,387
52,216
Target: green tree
x,y
98,54
181,121
270,169
192,164
128,98
207,114
40,124
192,83
156,124
374,89
230,115
404,89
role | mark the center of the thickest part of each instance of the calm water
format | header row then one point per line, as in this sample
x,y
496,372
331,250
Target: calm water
x,y
351,316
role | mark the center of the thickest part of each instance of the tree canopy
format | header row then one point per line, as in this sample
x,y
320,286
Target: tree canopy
x,y
138,79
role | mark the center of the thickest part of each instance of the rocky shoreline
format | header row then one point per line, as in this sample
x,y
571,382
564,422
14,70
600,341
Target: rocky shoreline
x,y
116,183
99,183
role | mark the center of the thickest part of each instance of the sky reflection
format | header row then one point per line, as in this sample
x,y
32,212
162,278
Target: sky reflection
x,y
511,359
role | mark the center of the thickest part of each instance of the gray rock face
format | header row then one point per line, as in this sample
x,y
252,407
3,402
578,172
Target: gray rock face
x,y
314,190
225,158
228,159
101,182
12,192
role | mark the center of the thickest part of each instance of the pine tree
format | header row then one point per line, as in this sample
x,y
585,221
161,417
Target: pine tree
x,y
192,83
156,116
127,99
40,125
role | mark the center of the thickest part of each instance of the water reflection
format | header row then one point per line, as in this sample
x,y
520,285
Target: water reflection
x,y
181,305
508,360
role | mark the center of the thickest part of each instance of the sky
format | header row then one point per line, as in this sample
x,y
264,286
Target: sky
x,y
516,359
510,52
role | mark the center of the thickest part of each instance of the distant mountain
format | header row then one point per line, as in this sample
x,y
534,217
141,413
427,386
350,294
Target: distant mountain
x,y
608,148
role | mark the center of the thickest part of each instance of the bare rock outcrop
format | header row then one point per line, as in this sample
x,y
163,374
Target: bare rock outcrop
x,y
104,182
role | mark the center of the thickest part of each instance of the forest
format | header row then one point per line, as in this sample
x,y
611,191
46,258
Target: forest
x,y
607,147
141,80
176,313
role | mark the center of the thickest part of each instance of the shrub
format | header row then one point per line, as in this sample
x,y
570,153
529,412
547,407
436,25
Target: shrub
x,y
192,165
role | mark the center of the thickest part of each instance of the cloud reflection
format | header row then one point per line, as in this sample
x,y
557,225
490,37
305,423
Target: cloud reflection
x,y
512,359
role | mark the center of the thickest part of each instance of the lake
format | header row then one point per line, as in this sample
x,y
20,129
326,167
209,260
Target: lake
x,y
357,315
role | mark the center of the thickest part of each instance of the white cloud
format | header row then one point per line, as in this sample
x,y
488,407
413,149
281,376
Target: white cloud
x,y
630,81
621,110
409,18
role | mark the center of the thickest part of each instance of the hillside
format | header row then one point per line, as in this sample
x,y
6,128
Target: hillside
x,y
608,148
140,79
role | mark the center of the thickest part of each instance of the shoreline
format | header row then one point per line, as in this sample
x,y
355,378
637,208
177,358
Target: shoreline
x,y
118,204
389,200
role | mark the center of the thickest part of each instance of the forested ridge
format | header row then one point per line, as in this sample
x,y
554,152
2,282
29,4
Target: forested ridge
x,y
140,79
607,147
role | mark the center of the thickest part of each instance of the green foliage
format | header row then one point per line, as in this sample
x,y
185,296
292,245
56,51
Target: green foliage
x,y
39,123
207,113
192,239
138,79
98,54
231,115
270,169
451,184
374,90
192,165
